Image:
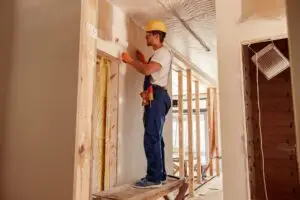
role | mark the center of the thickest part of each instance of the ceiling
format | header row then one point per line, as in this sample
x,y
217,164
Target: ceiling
x,y
199,15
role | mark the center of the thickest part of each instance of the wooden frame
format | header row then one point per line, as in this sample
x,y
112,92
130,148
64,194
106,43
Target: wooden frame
x,y
111,136
180,124
190,134
87,61
199,173
209,116
216,127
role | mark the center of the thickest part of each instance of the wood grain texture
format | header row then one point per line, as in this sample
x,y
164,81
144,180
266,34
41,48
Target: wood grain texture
x,y
87,62
216,126
180,124
210,134
199,174
128,192
190,133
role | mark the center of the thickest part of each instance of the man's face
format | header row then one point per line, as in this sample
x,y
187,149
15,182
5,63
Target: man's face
x,y
151,38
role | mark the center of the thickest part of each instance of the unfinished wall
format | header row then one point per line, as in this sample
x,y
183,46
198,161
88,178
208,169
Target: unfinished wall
x,y
278,130
131,157
294,31
232,116
39,63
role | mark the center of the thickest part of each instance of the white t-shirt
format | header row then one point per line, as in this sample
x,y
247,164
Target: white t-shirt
x,y
164,57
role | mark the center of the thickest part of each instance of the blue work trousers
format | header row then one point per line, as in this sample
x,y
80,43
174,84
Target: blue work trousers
x,y
154,119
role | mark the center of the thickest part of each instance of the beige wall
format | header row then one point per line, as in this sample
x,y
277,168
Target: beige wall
x,y
230,35
39,62
131,157
294,43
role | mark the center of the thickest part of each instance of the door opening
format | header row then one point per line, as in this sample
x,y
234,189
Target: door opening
x,y
271,138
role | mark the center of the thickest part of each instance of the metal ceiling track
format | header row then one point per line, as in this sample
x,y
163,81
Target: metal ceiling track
x,y
175,14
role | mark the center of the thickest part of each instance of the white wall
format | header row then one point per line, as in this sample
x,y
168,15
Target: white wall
x,y
131,157
231,34
294,43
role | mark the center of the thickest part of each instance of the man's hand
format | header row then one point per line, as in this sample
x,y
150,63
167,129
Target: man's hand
x,y
126,58
140,56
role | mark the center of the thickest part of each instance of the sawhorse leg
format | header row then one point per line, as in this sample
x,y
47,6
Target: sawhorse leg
x,y
182,191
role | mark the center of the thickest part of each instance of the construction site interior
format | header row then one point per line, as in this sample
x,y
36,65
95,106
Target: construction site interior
x,y
71,119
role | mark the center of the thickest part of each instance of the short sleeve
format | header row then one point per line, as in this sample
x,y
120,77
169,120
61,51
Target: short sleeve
x,y
162,56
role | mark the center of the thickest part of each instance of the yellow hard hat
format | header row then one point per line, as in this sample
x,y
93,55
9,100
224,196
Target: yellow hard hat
x,y
156,25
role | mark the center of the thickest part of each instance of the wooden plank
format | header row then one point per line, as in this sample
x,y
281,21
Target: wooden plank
x,y
99,120
111,125
128,192
180,124
107,128
86,72
199,174
190,134
114,116
209,119
216,132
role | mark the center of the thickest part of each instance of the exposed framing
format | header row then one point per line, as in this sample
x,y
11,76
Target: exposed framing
x,y
87,61
210,135
199,174
190,134
216,126
180,124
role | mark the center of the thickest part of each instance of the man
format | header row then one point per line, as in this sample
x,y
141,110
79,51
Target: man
x,y
156,101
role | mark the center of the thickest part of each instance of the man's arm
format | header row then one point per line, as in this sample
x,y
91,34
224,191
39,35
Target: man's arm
x,y
143,68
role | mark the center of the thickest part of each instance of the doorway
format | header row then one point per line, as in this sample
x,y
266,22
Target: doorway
x,y
271,139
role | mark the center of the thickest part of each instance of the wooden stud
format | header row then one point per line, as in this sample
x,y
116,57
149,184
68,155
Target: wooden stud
x,y
209,119
86,72
199,174
190,133
180,124
112,125
100,118
216,132
107,129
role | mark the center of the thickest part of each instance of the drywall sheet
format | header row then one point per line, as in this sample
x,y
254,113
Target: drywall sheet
x,y
262,8
39,72
131,163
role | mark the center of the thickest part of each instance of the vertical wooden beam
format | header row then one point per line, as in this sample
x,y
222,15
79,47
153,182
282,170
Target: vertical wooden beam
x,y
190,133
216,124
199,174
87,62
100,118
180,124
112,129
107,128
209,119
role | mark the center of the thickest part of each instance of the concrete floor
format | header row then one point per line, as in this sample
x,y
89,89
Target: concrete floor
x,y
210,191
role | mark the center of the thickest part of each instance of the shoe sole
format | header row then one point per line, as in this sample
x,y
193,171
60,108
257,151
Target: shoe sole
x,y
148,187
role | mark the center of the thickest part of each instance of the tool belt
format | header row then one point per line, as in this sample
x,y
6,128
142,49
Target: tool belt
x,y
147,96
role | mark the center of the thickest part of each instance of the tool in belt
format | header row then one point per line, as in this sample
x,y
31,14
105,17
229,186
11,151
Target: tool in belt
x,y
147,94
